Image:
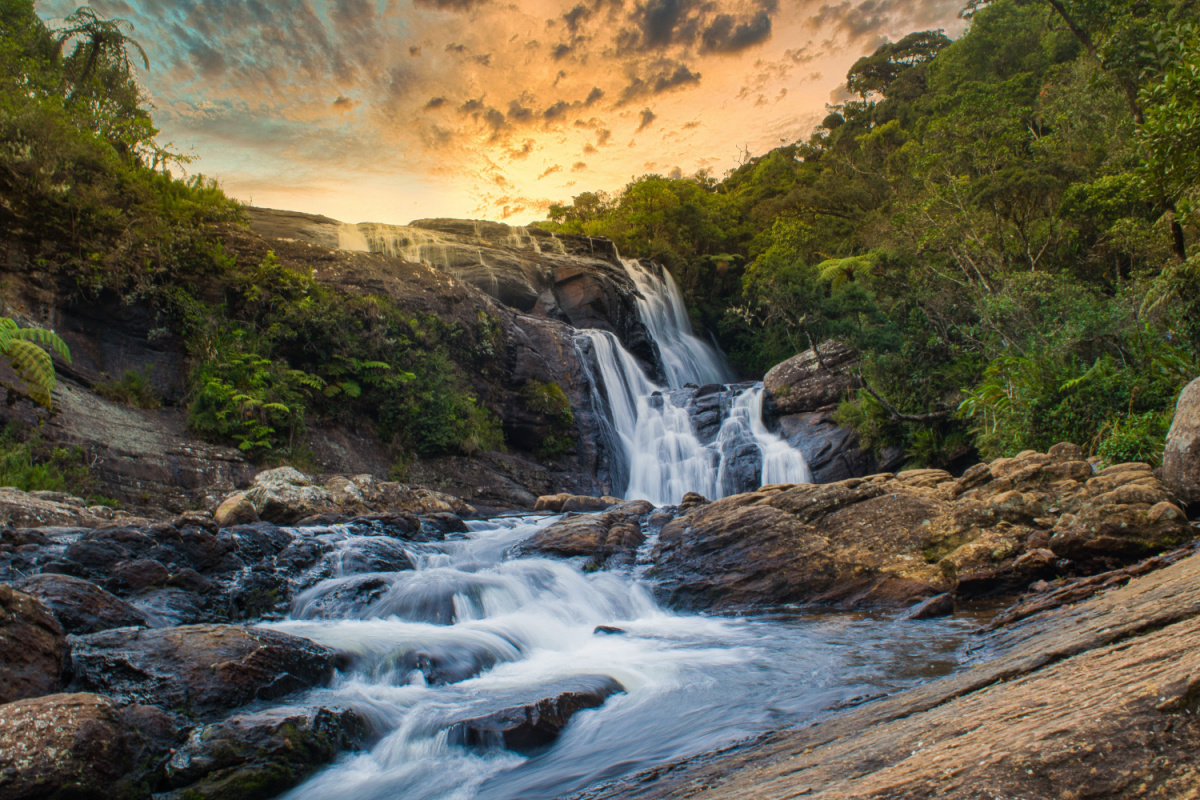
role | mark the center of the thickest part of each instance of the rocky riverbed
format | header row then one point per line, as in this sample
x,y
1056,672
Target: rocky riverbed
x,y
217,655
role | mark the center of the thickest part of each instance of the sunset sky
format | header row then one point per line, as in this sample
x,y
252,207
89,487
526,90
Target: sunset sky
x,y
392,110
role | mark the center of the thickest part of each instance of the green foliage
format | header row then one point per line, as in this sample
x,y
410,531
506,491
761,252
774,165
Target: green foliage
x,y
550,401
28,353
1135,437
28,463
133,389
999,224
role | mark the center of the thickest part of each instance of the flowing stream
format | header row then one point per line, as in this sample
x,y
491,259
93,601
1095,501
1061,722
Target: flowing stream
x,y
471,631
477,626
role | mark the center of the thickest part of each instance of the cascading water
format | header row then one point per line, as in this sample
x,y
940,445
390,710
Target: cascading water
x,y
656,452
470,631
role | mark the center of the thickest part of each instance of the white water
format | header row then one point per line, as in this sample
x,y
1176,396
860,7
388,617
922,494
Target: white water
x,y
502,632
657,453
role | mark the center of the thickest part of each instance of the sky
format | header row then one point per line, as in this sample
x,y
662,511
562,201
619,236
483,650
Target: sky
x,y
394,110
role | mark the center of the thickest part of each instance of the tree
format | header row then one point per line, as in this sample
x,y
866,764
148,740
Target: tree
x,y
100,42
23,349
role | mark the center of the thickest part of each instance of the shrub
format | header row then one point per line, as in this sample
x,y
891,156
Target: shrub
x,y
133,389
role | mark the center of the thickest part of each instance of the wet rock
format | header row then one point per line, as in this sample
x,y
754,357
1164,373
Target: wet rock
x,y
806,382
941,605
831,450
551,502
529,728
608,630
237,509
81,745
443,523
1181,456
81,606
893,540
33,647
199,669
600,536
261,753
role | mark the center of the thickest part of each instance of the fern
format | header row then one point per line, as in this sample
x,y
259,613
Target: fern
x,y
23,348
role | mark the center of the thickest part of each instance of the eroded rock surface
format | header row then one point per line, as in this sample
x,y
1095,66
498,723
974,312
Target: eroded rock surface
x,y
1098,699
199,669
615,532
528,728
893,540
33,648
81,745
81,606
811,380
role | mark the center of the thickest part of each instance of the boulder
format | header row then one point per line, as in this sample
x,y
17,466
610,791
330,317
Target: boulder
x,y
42,509
557,503
237,509
808,381
832,450
285,495
81,745
599,536
81,606
260,753
199,669
894,540
528,728
1181,456
33,648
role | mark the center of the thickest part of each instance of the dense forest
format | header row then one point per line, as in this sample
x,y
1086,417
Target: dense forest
x,y
1003,225
91,199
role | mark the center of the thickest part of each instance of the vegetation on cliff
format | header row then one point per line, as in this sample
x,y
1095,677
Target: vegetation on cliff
x,y
88,198
1004,225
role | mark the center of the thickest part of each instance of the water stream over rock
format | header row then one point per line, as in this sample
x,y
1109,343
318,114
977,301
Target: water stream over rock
x,y
470,632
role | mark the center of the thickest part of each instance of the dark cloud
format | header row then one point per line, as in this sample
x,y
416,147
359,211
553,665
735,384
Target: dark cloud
x,y
456,48
647,118
675,174
660,79
483,60
209,61
575,16
557,110
550,171
414,51
450,5
693,124
602,137
560,51
343,103
594,96
578,166
435,103
526,148
589,149
518,112
726,35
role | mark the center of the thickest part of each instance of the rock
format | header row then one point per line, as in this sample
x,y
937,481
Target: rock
x,y
551,502
81,745
599,536
691,500
260,753
1181,456
237,509
804,383
285,495
33,648
344,492
1094,699
81,606
580,503
940,605
200,669
831,450
893,540
44,509
529,728
608,630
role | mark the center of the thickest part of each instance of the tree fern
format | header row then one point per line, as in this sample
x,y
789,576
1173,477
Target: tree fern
x,y
23,348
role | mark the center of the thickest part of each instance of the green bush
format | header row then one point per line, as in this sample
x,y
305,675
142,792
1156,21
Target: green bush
x,y
133,389
29,463
1135,437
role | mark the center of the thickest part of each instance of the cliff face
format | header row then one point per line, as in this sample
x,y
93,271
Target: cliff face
x,y
578,280
148,455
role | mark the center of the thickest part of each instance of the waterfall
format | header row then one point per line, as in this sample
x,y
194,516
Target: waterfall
x,y
686,358
656,453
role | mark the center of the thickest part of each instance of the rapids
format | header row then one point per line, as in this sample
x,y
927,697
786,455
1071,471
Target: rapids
x,y
474,629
